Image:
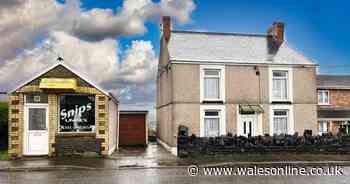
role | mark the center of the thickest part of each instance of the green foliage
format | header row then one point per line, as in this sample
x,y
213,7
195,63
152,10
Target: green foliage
x,y
3,125
3,113
3,155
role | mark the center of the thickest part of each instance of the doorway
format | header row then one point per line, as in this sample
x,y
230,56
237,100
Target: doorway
x,y
36,140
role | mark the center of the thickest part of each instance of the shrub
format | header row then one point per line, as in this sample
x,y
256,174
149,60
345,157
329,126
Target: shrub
x,y
3,125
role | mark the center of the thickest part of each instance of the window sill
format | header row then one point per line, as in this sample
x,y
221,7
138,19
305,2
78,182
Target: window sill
x,y
324,104
281,102
212,101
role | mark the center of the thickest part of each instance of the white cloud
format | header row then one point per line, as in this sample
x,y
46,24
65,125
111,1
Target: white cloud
x,y
87,40
133,76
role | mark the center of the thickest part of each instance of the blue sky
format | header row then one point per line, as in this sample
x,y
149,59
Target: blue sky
x,y
319,29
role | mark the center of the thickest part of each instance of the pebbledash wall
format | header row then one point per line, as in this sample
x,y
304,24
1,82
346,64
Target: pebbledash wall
x,y
93,113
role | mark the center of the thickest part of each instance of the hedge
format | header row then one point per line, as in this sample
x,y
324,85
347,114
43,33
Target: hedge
x,y
3,125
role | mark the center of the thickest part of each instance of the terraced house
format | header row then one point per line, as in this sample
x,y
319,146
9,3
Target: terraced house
x,y
333,103
239,83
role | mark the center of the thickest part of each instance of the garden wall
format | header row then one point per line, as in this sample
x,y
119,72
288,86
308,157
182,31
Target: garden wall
x,y
327,143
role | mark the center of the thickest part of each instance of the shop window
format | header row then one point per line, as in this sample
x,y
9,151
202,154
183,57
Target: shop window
x,y
77,113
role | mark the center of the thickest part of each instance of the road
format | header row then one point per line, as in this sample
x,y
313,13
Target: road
x,y
169,175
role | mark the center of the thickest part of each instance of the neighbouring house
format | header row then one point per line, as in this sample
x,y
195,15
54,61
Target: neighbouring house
x,y
240,83
333,103
61,111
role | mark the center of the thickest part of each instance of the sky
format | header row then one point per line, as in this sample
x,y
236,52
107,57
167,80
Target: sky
x,y
117,42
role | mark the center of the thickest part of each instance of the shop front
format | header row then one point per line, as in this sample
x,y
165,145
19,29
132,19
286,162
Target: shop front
x,y
59,112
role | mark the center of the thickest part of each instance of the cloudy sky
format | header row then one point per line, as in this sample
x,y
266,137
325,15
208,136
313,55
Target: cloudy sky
x,y
117,42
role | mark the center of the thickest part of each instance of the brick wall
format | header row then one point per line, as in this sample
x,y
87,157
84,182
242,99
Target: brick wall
x,y
340,98
15,146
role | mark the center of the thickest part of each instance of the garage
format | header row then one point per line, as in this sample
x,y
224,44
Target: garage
x,y
133,128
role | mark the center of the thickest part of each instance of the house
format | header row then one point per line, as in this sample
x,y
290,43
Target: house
x,y
333,112
60,110
240,83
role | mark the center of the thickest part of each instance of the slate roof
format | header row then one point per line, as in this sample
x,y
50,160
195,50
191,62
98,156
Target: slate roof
x,y
190,46
333,81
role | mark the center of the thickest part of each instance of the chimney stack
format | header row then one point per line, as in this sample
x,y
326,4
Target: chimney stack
x,y
166,27
277,32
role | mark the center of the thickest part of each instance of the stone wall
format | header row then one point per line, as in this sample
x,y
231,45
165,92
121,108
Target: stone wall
x,y
194,146
77,145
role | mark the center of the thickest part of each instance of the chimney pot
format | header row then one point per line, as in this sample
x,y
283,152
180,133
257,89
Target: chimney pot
x,y
166,27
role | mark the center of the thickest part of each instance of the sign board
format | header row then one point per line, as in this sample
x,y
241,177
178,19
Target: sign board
x,y
77,113
58,83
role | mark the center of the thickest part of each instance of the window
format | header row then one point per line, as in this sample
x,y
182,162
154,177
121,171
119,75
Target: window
x,y
280,121
323,97
280,85
212,120
323,127
36,98
212,83
77,113
211,124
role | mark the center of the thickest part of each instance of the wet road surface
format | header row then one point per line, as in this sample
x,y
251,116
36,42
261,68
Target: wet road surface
x,y
169,175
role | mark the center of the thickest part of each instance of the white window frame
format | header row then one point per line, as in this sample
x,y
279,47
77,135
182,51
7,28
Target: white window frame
x,y
290,122
318,97
289,70
319,125
221,82
222,116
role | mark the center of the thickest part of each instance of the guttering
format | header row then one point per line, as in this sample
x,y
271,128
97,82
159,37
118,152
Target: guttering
x,y
239,63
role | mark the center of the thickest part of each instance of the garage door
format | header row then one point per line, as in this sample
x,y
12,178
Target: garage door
x,y
132,129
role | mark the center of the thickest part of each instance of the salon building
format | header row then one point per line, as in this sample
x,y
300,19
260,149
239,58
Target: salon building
x,y
61,111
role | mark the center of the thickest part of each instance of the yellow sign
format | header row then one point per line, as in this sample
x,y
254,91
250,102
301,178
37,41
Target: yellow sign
x,y
58,83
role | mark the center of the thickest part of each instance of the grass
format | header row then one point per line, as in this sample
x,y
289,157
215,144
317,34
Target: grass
x,y
3,155
210,159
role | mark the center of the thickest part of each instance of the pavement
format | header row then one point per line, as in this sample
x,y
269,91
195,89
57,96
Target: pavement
x,y
152,157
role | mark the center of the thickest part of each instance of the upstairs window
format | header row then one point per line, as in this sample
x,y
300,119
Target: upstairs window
x,y
212,84
280,85
323,97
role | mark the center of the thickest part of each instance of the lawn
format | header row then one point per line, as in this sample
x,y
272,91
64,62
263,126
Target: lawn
x,y
3,155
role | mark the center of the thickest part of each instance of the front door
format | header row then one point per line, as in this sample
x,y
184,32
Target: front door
x,y
36,130
248,125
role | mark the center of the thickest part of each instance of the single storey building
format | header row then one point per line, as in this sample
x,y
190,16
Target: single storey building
x,y
61,111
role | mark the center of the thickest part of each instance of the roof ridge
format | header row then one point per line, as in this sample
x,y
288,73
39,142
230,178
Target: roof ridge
x,y
220,33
